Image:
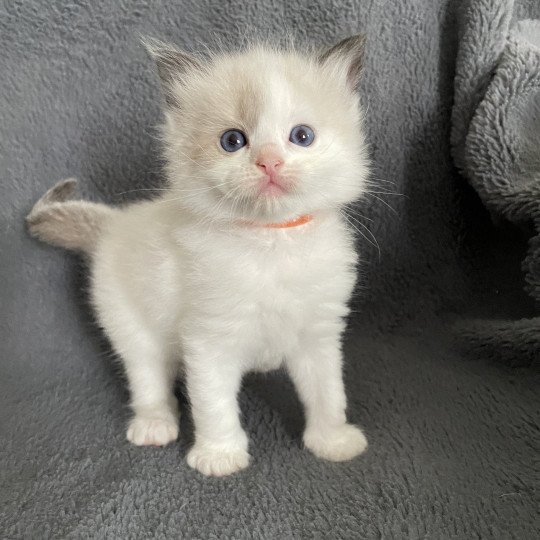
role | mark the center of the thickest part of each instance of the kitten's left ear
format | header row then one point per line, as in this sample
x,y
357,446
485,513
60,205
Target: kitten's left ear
x,y
172,64
350,53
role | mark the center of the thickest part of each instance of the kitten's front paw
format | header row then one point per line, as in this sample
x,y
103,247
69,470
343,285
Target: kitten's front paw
x,y
336,444
148,431
217,461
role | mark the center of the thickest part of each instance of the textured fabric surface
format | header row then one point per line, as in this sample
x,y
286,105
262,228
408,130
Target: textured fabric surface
x,y
453,439
496,133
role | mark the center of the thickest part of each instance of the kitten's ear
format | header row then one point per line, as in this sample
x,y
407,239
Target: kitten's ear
x,y
172,64
350,53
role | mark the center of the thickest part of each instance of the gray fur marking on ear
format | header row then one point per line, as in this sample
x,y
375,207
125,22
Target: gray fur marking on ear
x,y
350,50
171,63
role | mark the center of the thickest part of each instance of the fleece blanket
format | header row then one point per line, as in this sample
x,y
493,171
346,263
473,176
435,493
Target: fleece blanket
x,y
496,134
453,436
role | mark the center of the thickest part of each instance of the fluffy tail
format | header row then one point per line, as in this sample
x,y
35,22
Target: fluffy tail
x,y
69,224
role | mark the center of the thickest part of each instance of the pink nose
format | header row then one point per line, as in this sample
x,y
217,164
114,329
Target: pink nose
x,y
269,162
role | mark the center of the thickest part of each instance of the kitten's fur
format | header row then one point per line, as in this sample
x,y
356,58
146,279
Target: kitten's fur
x,y
194,279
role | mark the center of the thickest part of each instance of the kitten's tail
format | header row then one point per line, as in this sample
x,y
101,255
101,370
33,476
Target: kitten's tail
x,y
69,224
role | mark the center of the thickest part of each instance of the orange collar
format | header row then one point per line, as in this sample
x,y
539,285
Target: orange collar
x,y
300,220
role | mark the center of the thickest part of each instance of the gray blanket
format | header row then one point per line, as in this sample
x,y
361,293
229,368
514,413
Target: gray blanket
x,y
452,437
496,135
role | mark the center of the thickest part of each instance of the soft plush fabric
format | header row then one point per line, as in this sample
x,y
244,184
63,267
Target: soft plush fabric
x,y
496,134
453,434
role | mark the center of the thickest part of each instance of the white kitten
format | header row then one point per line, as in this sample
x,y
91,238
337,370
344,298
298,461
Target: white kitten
x,y
245,263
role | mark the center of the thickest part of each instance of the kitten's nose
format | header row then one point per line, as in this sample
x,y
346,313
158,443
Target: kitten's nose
x,y
269,161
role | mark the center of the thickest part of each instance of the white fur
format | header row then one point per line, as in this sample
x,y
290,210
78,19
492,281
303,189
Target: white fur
x,y
190,281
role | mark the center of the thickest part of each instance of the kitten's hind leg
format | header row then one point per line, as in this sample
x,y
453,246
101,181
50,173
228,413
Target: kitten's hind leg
x,y
151,372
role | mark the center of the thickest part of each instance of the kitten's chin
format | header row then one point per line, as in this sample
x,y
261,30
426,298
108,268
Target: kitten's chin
x,y
272,190
273,203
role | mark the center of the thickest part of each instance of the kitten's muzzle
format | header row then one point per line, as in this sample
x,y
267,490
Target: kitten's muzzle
x,y
270,162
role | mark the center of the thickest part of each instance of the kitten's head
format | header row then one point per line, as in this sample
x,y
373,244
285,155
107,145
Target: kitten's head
x,y
262,134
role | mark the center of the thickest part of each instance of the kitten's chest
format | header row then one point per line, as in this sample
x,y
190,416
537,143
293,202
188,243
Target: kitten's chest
x,y
278,279
263,295
280,298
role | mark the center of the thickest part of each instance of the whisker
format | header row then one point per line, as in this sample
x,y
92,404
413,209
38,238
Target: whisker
x,y
369,192
351,209
384,202
368,230
139,189
351,221
375,244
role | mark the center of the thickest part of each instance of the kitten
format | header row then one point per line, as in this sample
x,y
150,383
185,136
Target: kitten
x,y
245,262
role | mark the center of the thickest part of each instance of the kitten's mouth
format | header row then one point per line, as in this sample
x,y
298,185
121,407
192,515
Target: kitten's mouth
x,y
272,186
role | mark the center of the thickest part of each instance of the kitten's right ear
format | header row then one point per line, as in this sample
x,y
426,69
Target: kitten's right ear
x,y
349,53
172,65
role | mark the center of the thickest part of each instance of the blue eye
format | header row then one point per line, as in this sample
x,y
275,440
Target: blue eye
x,y
302,135
232,140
